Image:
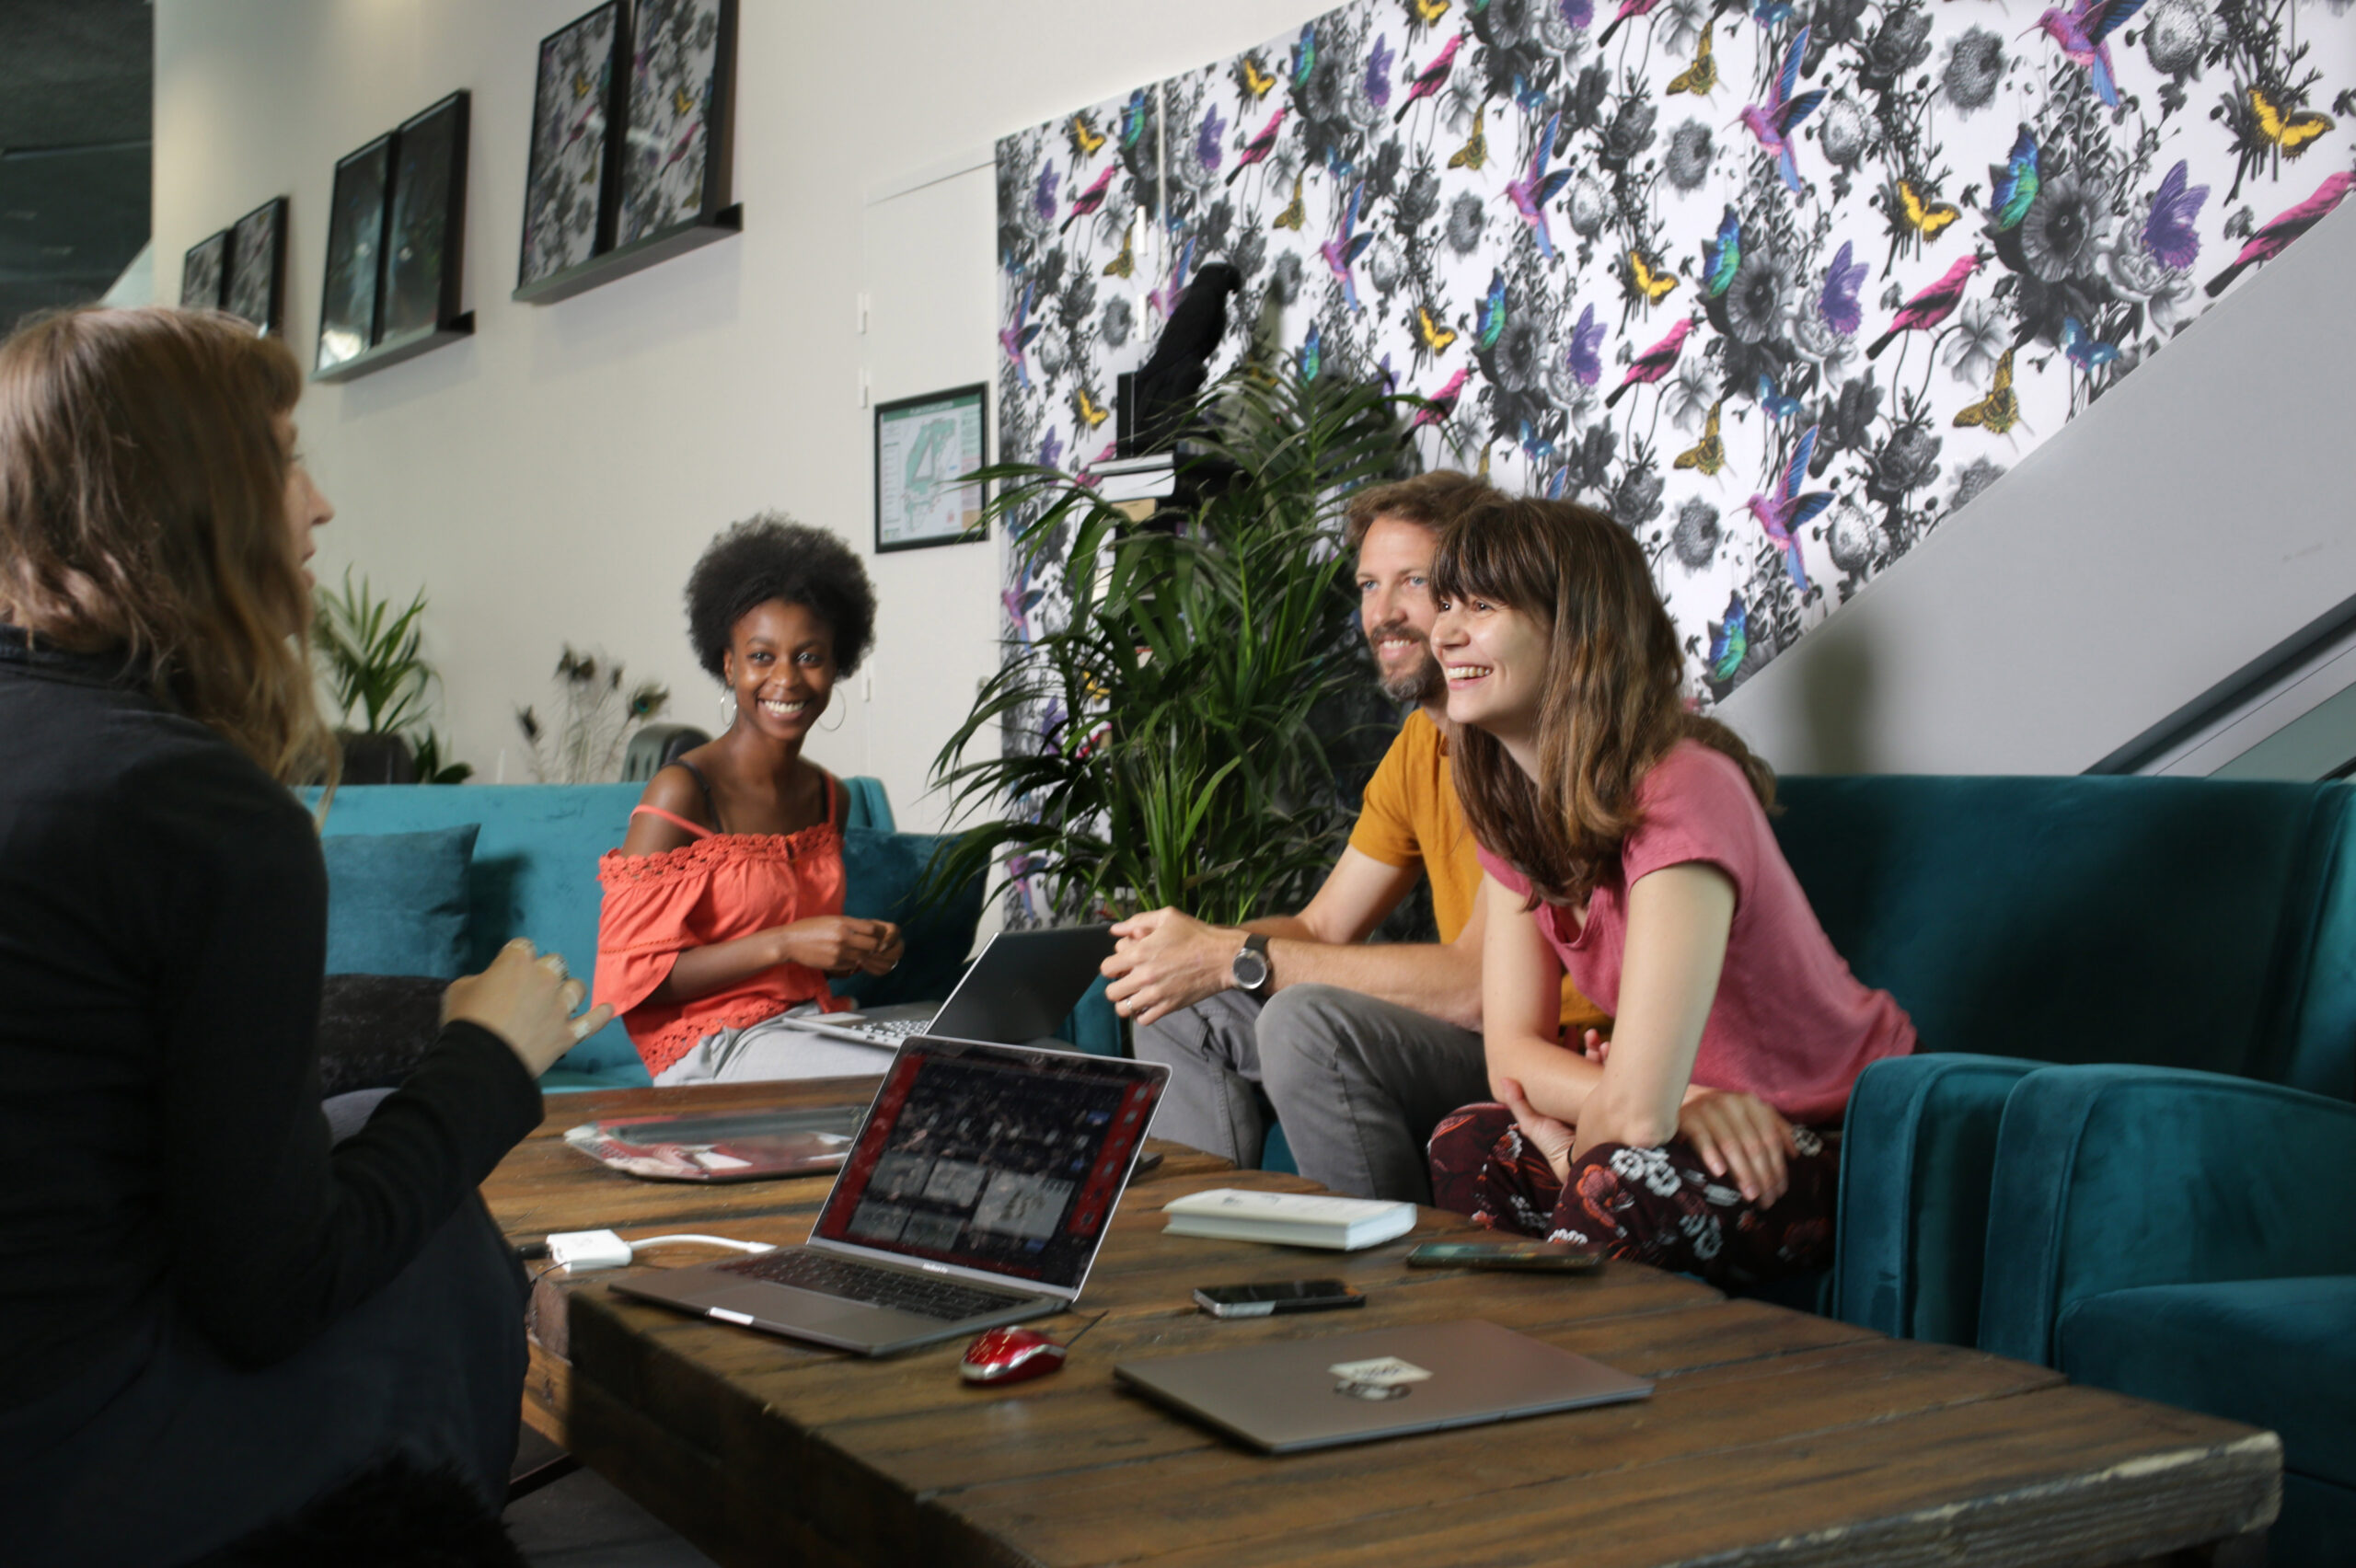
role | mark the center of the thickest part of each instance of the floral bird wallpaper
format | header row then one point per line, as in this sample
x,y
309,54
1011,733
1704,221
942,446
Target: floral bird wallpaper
x,y
1777,283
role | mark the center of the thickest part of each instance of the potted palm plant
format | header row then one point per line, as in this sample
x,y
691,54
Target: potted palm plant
x,y
1184,735
375,667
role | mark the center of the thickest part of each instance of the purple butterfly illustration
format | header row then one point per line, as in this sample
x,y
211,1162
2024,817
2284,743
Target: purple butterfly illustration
x,y
1051,451
1209,143
1577,14
1378,74
1587,349
1043,199
1839,301
2168,233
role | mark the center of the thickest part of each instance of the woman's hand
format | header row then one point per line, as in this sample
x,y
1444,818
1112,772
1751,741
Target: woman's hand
x,y
1547,1136
528,1001
1743,1136
839,945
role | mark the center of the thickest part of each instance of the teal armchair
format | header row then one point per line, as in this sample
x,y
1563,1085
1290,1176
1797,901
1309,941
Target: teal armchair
x,y
2183,1237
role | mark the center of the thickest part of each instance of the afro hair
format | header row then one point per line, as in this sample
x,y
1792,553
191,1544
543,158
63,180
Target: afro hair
x,y
772,557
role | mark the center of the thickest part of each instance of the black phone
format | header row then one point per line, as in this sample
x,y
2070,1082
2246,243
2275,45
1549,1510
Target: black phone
x,y
1289,1296
1538,1257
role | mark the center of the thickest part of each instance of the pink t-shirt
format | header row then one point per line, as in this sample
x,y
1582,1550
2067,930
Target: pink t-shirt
x,y
1790,1023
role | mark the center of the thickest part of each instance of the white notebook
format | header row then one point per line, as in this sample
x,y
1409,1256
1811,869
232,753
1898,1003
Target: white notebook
x,y
1289,1220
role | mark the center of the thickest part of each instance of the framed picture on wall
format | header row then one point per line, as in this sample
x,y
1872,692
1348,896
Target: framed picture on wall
x,y
202,272
355,254
923,447
569,208
425,223
257,265
675,160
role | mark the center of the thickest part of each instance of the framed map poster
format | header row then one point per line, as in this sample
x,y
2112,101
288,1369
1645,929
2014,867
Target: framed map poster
x,y
923,447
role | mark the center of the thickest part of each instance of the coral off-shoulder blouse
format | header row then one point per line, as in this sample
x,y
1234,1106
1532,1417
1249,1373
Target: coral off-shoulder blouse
x,y
720,887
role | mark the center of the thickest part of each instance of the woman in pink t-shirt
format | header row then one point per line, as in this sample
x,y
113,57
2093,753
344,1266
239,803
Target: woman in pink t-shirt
x,y
1625,842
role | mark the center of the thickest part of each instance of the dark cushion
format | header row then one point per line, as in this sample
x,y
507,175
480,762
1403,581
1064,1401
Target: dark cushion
x,y
396,902
2274,1353
883,873
374,1029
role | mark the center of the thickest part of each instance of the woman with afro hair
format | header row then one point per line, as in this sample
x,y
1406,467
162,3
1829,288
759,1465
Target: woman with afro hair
x,y
723,907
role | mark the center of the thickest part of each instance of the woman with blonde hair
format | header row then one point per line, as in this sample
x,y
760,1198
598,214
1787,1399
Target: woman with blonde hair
x,y
1626,843
214,1313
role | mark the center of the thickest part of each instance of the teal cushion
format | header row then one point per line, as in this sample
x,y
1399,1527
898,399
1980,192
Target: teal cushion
x,y
881,874
2316,1528
2275,1352
396,902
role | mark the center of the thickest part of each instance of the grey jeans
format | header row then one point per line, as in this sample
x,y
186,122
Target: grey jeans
x,y
1359,1083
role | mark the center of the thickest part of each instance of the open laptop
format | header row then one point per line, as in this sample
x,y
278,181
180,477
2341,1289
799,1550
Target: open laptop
x,y
977,1191
1018,993
1290,1395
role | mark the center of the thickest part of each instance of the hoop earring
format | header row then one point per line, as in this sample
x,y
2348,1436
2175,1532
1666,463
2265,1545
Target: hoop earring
x,y
837,724
727,712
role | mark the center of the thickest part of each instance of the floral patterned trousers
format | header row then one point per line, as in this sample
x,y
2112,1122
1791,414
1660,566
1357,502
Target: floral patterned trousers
x,y
1654,1205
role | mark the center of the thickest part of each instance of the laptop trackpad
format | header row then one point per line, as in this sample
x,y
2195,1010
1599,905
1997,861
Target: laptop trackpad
x,y
814,1313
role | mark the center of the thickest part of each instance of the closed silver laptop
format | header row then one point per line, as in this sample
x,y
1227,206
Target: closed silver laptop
x,y
1285,1396
1018,992
977,1191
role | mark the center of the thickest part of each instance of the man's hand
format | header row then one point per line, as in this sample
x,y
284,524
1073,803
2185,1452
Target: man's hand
x,y
1164,961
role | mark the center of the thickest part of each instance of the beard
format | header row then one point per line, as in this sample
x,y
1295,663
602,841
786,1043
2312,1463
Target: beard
x,y
1418,685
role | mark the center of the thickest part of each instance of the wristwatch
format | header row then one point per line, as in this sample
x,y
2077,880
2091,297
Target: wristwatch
x,y
1249,967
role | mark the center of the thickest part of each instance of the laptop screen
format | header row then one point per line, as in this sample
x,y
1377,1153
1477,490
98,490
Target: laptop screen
x,y
991,1157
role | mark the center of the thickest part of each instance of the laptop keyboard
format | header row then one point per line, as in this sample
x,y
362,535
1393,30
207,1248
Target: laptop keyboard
x,y
889,1031
878,1287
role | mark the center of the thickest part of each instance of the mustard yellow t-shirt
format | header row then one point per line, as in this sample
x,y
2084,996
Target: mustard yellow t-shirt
x,y
1411,817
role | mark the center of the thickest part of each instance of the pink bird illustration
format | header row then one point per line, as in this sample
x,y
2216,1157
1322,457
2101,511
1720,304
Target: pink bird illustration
x,y
1654,363
2082,35
1089,200
1258,148
1014,339
1431,78
1347,246
1627,8
1442,402
2277,234
1531,194
1783,513
1774,122
1933,305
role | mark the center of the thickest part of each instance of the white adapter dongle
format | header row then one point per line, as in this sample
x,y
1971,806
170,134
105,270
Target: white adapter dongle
x,y
577,1252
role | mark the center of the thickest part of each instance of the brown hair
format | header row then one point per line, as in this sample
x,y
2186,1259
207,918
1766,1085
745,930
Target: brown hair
x,y
1611,707
1430,500
143,509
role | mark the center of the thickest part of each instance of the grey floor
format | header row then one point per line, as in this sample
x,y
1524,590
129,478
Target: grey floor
x,y
582,1522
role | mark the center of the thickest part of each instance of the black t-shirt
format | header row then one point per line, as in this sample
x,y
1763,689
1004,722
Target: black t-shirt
x,y
163,914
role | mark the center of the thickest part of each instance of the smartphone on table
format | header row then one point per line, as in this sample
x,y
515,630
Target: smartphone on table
x,y
1534,1257
1264,1301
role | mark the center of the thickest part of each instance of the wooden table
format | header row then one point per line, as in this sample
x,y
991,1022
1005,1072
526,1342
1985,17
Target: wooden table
x,y
1772,1436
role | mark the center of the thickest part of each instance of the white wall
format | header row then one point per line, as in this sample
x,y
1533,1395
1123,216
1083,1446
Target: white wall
x,y
554,477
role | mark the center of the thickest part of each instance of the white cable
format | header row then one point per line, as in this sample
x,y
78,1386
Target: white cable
x,y
579,1250
708,1241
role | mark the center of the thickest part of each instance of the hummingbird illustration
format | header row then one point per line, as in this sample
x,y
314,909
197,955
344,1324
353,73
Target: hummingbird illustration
x,y
2082,36
1933,305
1784,513
1774,122
1531,194
2012,184
1722,257
1654,363
1014,339
1347,246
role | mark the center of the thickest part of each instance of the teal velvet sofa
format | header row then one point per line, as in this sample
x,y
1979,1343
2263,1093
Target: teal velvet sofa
x,y
534,873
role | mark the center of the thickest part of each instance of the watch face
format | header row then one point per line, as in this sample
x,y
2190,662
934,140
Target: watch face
x,y
1250,969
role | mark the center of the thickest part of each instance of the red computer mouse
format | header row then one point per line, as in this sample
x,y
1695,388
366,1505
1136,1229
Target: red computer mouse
x,y
1011,1355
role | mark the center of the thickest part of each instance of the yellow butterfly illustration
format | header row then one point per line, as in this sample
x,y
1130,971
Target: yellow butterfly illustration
x,y
1709,454
1085,138
2292,133
1484,472
1295,212
581,85
1925,218
1125,263
1254,82
1653,285
1436,338
2000,410
1429,12
1702,74
681,101
1088,410
1474,152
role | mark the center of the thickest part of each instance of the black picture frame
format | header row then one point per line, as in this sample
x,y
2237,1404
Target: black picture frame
x,y
256,289
900,525
425,225
678,142
348,297
204,272
578,101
